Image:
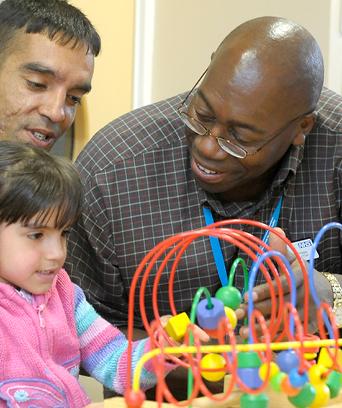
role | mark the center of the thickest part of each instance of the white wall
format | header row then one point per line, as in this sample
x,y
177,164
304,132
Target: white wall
x,y
186,32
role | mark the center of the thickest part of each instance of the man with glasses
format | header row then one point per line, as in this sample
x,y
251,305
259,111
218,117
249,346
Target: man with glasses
x,y
256,134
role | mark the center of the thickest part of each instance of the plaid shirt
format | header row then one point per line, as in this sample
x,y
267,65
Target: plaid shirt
x,y
140,191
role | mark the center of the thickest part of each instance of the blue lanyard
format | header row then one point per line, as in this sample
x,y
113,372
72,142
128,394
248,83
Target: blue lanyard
x,y
215,244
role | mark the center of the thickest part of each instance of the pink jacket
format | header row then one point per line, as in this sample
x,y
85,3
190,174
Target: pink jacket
x,y
40,350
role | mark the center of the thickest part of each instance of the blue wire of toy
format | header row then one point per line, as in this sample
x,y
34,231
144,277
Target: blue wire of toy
x,y
252,277
322,231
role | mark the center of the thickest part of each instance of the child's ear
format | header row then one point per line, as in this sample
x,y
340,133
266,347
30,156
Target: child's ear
x,y
306,125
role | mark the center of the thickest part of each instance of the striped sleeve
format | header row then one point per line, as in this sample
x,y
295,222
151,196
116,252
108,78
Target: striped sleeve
x,y
104,349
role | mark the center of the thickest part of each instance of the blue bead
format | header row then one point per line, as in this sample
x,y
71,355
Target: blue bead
x,y
298,380
250,377
287,360
209,318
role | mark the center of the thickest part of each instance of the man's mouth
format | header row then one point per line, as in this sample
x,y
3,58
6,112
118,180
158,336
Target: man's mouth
x,y
206,170
40,136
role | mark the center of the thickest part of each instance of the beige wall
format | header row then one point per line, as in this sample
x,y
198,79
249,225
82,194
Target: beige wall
x,y
111,95
185,35
187,32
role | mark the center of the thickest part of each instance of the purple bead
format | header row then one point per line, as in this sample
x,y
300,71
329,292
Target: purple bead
x,y
209,318
287,360
250,377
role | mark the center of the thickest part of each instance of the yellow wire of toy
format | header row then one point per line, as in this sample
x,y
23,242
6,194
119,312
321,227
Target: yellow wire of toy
x,y
226,348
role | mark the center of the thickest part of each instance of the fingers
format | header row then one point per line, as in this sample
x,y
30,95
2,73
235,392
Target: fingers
x,y
276,243
164,319
202,335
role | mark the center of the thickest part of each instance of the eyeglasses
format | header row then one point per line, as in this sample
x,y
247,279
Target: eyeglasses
x,y
226,145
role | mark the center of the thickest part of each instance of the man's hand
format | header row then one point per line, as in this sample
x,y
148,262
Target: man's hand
x,y
262,294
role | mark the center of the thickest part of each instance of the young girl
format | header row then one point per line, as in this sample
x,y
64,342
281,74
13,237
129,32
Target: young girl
x,y
48,329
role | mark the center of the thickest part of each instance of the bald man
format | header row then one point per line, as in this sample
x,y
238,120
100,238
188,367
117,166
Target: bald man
x,y
258,133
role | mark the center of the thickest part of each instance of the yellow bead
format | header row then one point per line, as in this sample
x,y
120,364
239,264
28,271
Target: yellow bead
x,y
274,369
231,316
322,395
211,361
315,374
176,326
310,356
325,360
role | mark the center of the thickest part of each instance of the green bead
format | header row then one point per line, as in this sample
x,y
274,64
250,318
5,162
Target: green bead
x,y
230,296
305,398
254,400
334,383
276,380
248,359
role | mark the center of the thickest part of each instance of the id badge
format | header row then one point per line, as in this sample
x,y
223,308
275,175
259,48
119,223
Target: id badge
x,y
304,248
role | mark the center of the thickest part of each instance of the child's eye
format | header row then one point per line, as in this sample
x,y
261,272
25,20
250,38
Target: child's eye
x,y
35,235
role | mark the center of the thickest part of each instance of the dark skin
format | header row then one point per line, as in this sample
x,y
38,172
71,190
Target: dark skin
x,y
240,100
257,94
261,293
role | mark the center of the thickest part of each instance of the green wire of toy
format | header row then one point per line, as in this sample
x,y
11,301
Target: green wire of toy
x,y
195,302
245,274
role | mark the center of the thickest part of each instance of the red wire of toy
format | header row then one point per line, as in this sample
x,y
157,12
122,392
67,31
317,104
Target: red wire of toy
x,y
185,240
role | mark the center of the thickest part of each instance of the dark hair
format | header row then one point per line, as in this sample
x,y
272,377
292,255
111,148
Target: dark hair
x,y
33,182
57,19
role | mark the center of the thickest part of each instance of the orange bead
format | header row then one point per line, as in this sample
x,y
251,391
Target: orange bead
x,y
287,388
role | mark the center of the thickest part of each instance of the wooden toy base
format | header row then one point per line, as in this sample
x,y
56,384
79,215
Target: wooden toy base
x,y
277,400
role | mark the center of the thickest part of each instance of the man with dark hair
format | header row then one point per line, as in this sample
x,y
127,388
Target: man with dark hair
x,y
47,50
259,128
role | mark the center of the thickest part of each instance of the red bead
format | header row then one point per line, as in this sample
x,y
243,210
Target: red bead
x,y
135,399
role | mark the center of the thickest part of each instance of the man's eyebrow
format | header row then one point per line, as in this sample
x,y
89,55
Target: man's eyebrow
x,y
35,67
233,122
41,69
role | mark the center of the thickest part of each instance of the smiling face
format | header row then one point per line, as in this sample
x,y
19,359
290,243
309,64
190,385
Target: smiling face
x,y
252,100
247,121
32,255
41,84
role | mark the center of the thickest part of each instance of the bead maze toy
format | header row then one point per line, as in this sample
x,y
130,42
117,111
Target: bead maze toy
x,y
307,368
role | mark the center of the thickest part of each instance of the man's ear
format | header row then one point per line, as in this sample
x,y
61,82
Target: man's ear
x,y
306,125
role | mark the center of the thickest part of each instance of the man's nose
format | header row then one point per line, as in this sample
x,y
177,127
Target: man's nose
x,y
53,107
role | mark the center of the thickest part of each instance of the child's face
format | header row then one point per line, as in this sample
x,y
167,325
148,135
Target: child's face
x,y
30,257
